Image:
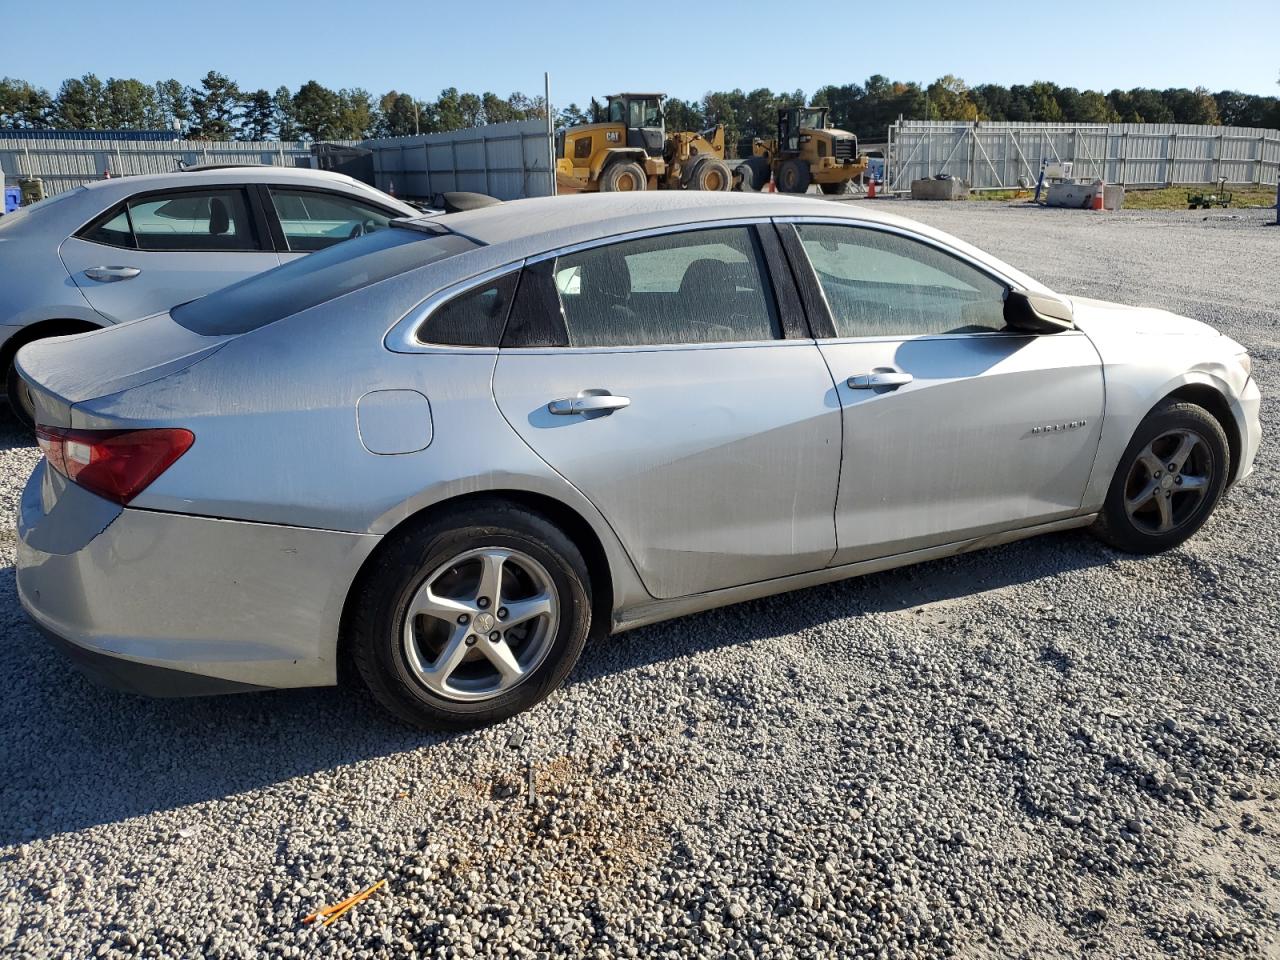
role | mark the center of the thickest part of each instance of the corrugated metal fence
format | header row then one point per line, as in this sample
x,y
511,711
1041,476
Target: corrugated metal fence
x,y
994,156
66,164
504,160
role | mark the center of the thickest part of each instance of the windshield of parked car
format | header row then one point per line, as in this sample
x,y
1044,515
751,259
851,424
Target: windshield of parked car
x,y
10,220
315,279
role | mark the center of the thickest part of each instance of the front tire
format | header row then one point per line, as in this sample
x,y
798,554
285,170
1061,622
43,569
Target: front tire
x,y
1168,482
471,617
794,177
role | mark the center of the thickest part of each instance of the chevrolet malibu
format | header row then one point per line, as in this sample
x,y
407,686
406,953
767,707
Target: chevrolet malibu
x,y
452,451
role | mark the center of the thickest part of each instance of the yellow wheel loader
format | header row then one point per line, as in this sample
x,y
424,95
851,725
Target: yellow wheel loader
x,y
805,151
633,151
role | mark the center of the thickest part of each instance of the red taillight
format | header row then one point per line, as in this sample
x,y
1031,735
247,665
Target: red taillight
x,y
116,464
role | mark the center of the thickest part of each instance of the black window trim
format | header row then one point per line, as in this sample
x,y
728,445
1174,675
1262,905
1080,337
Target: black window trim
x,y
272,219
821,319
403,337
257,222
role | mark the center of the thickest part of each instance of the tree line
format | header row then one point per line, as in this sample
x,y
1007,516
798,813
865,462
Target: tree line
x,y
218,109
867,109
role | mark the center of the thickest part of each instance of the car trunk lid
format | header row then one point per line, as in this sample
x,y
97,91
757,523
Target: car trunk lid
x,y
62,371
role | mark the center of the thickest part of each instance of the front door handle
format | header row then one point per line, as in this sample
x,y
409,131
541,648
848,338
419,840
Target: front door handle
x,y
588,403
111,274
880,379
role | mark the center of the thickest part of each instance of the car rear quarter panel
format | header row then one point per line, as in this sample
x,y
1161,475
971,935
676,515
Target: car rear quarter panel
x,y
274,413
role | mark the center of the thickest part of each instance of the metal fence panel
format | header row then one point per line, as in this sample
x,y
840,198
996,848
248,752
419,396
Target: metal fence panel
x,y
64,164
504,160
999,155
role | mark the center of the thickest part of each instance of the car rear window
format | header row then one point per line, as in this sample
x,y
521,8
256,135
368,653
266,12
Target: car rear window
x,y
11,220
315,279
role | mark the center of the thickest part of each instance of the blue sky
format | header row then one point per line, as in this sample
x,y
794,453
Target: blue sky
x,y
685,50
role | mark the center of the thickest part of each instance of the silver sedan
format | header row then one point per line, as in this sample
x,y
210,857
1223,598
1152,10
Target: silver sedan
x,y
452,451
120,249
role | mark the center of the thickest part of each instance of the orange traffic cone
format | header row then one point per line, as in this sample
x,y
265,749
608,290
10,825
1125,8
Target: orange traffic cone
x,y
871,189
772,187
1098,194
106,174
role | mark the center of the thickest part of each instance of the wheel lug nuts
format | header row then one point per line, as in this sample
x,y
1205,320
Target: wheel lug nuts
x,y
495,636
464,619
1157,474
471,640
483,603
502,613
1177,480
1173,467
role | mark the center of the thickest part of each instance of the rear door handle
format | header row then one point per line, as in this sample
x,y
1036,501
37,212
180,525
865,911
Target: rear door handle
x,y
887,379
588,402
111,274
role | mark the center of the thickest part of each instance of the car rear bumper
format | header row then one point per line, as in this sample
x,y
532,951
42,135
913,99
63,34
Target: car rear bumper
x,y
173,605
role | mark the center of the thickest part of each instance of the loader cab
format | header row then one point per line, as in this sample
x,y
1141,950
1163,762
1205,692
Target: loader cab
x,y
641,114
791,120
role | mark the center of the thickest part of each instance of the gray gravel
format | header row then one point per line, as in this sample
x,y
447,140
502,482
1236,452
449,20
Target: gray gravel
x,y
1045,750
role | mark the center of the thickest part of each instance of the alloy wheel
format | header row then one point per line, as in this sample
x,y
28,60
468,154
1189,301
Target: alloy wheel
x,y
481,624
1168,481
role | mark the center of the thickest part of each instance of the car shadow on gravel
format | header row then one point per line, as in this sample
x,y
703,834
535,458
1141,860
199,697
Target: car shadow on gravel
x,y
923,587
12,433
75,756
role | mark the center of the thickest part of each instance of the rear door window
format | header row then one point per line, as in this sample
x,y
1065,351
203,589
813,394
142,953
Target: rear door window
x,y
700,286
196,220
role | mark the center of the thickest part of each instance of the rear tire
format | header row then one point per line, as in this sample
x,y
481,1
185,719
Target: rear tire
x,y
623,176
794,177
20,404
710,174
439,569
1168,482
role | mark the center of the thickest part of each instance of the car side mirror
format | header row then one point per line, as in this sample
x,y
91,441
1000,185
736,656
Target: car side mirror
x,y
1037,312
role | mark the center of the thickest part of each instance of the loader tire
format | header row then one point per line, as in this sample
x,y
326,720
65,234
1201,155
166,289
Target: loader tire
x,y
623,176
793,177
710,174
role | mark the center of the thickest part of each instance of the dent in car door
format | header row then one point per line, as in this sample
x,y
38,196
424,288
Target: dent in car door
x,y
714,461
953,427
166,248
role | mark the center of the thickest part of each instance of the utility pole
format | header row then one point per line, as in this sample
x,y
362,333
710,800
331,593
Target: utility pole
x,y
551,135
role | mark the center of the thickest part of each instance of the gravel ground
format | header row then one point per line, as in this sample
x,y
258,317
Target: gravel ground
x,y
1044,750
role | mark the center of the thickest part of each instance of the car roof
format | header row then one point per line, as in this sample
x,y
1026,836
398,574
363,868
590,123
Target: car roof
x,y
524,228
118,187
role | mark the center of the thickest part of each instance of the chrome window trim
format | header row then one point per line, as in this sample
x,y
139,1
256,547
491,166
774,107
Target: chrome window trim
x,y
986,334
661,347
978,265
403,337
690,227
